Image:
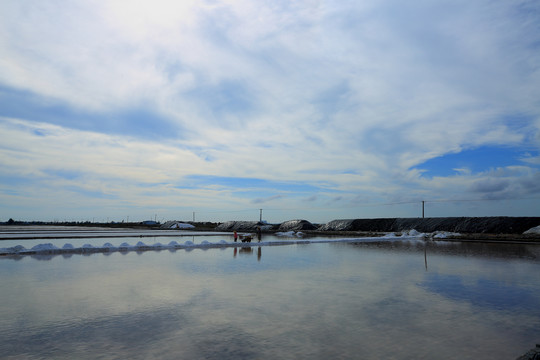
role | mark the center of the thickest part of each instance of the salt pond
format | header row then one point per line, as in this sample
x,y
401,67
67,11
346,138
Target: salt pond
x,y
366,299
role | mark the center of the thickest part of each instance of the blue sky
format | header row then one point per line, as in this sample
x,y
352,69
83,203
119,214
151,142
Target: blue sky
x,y
308,109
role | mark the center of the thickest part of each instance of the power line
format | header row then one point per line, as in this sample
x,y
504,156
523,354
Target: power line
x,y
352,206
470,200
363,205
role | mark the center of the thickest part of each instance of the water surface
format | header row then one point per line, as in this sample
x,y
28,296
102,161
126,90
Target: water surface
x,y
368,300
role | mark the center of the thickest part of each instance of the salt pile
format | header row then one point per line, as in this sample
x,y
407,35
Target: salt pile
x,y
534,230
50,249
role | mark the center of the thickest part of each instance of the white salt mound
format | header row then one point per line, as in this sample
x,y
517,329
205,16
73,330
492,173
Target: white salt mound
x,y
534,230
182,226
411,232
444,234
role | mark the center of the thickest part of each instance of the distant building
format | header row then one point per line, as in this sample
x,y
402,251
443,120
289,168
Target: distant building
x,y
149,222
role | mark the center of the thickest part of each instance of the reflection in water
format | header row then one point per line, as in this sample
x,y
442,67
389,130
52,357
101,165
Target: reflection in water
x,y
455,248
356,300
425,256
484,293
247,251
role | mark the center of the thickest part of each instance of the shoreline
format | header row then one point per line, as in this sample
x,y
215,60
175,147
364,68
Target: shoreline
x,y
467,237
497,229
45,232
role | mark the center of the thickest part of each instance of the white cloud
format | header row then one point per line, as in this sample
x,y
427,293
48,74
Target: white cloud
x,y
347,95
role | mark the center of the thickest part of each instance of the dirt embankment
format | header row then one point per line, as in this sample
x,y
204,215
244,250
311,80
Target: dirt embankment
x,y
497,228
466,225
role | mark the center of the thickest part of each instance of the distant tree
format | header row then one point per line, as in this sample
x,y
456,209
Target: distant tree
x,y
11,221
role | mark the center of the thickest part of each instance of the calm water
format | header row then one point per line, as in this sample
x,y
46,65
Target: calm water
x,y
393,300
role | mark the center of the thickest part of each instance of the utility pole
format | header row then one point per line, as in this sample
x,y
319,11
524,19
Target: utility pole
x,y
260,215
194,216
423,208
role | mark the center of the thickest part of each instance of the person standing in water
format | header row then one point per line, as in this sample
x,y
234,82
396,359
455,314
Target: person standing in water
x,y
235,236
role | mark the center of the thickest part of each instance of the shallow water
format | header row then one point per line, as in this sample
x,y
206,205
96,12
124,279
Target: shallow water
x,y
373,300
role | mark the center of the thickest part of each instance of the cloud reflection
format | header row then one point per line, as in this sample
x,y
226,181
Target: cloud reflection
x,y
316,301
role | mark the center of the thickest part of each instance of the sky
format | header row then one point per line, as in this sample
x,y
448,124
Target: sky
x,y
236,110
